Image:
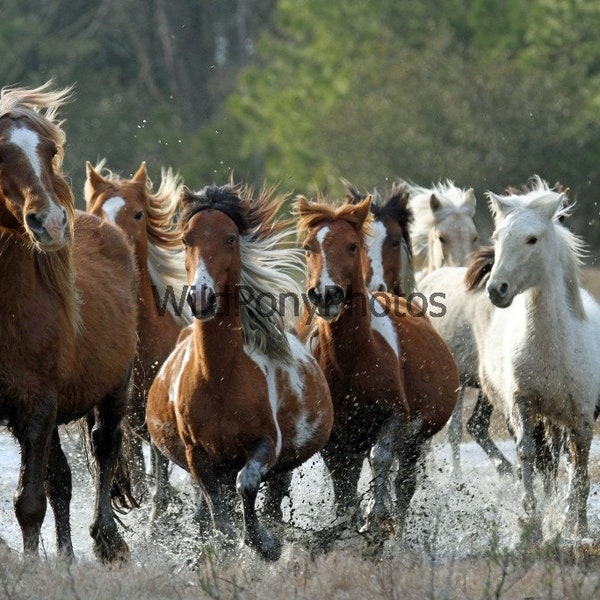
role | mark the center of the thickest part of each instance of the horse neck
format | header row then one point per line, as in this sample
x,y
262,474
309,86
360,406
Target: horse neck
x,y
17,266
353,326
551,307
220,339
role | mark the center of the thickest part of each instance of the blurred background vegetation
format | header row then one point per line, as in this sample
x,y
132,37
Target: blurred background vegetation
x,y
303,92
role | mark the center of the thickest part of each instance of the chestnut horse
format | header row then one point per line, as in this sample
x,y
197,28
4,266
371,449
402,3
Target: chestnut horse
x,y
392,378
68,317
389,264
146,217
238,395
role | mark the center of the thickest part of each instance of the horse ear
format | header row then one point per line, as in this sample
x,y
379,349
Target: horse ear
x,y
499,206
187,195
141,175
362,209
302,205
434,203
93,181
470,201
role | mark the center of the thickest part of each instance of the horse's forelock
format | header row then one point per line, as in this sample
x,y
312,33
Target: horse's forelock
x,y
223,198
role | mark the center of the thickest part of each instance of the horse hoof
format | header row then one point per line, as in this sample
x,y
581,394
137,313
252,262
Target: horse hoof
x,y
505,469
111,549
265,543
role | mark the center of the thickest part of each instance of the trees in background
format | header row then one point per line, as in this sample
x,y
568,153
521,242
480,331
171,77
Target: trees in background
x,y
302,92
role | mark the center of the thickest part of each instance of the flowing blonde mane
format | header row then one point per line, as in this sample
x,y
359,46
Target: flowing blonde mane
x,y
271,264
40,105
165,253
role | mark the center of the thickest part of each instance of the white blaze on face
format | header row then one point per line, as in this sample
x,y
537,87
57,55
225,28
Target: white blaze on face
x,y
112,207
28,141
325,282
376,240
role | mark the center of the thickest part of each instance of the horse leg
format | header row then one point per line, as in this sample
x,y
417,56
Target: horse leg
x,y
204,476
275,491
30,499
106,438
161,495
58,485
409,454
580,440
455,428
344,466
248,481
379,519
478,426
526,451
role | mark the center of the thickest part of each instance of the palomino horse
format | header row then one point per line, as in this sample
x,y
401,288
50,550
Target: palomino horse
x,y
238,394
68,317
146,217
539,353
443,232
389,264
392,378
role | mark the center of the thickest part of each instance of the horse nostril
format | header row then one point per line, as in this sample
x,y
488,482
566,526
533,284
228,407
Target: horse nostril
x,y
382,287
314,296
35,221
503,289
334,295
191,298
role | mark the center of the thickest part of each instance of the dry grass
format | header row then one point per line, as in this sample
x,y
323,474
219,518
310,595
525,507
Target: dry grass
x,y
549,573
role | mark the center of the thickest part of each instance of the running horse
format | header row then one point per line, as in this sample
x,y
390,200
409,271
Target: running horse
x,y
68,318
147,218
239,398
389,264
392,378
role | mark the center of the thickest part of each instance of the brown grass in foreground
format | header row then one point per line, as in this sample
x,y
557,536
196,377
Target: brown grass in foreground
x,y
553,572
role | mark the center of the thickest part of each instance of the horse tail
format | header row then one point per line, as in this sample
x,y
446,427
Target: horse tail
x,y
478,269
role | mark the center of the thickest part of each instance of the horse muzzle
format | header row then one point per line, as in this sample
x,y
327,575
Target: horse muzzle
x,y
499,294
48,229
328,303
203,302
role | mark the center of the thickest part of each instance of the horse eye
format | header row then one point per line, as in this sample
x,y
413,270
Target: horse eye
x,y
395,244
231,240
442,239
184,242
352,248
532,240
138,216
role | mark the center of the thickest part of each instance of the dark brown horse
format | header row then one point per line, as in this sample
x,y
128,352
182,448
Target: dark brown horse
x,y
392,378
239,398
67,315
146,217
389,264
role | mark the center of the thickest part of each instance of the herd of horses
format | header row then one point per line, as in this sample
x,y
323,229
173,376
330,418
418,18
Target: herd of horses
x,y
257,373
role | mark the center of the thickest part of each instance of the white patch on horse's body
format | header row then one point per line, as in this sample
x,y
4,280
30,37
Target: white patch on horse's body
x,y
112,207
269,370
326,282
384,325
375,252
176,380
28,141
305,429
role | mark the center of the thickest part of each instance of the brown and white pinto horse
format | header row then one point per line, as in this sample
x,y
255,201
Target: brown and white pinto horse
x,y
147,218
392,378
238,395
389,264
67,316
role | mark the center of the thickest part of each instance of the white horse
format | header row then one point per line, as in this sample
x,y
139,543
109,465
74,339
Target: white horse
x,y
443,232
539,353
464,311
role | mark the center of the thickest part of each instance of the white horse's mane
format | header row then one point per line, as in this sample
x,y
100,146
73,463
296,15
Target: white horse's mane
x,y
453,200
